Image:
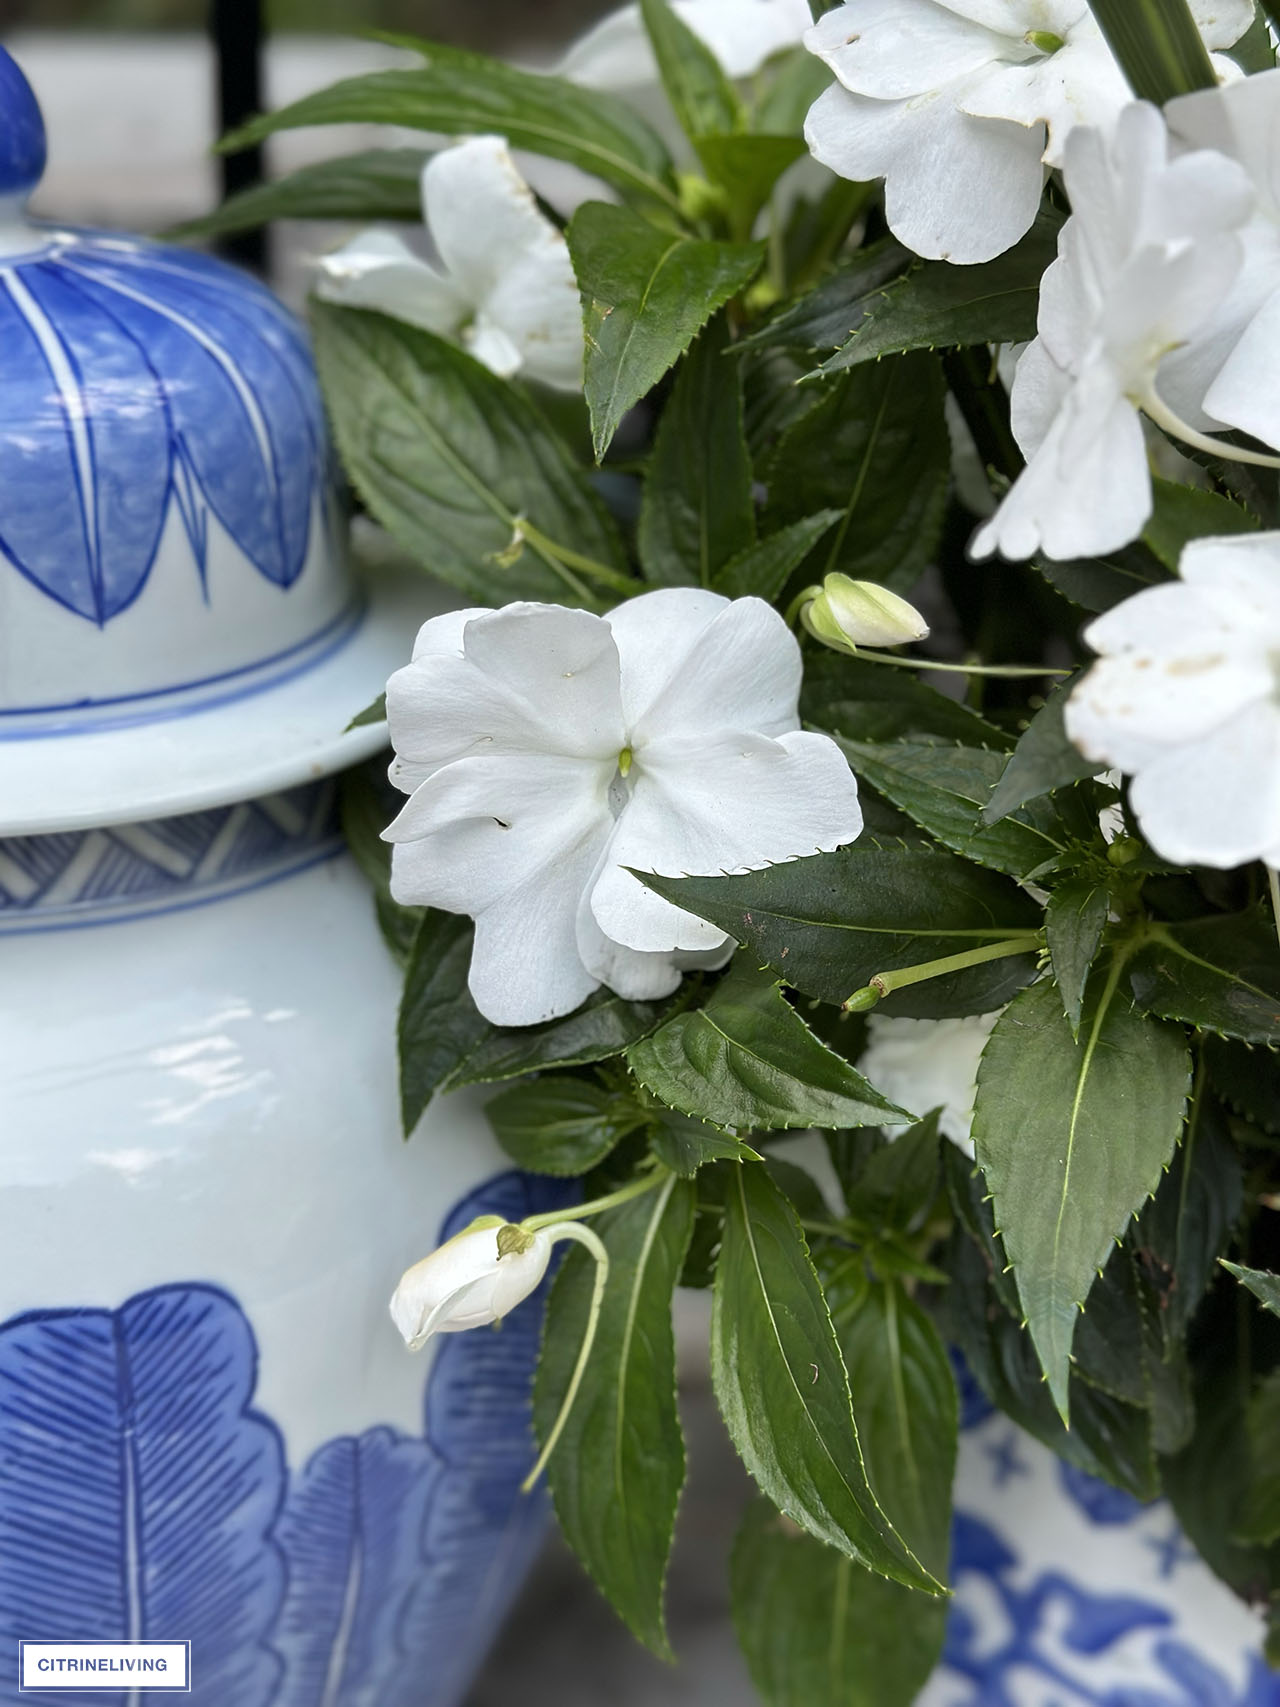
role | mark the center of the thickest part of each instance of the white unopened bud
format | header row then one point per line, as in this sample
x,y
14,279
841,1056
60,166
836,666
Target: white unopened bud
x,y
847,614
469,1282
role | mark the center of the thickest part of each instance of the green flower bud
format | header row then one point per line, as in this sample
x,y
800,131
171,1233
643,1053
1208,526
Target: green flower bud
x,y
847,614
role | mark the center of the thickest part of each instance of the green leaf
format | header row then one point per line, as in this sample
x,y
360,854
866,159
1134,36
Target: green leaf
x,y
871,702
745,169
1043,760
1221,974
701,95
374,712
470,94
936,304
818,1630
380,183
828,924
943,788
646,293
439,1025
560,1126
445,1042
762,570
684,1145
1265,1287
617,1471
875,447
1073,1136
1246,1079
748,1062
1183,513
1119,1347
825,317
795,80
368,804
1107,1437
604,1026
895,1189
1158,46
1074,920
782,1386
697,511
1259,1522
450,458
898,1367
1098,583
1181,1232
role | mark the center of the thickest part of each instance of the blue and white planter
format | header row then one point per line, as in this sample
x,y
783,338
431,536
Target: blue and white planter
x,y
209,1429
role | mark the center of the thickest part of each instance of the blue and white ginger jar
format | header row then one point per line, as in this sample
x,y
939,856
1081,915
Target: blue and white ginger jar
x,y
209,1428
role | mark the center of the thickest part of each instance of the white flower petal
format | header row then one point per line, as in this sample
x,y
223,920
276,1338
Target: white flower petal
x,y
923,1064
637,976
513,841
956,188
1238,120
377,270
1240,571
1087,487
1216,801
1081,84
1128,711
528,678
481,827
1222,22
893,49
736,665
1246,392
721,803
507,259
1016,17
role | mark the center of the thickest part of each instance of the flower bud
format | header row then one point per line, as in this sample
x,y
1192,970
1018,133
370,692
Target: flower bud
x,y
468,1282
847,614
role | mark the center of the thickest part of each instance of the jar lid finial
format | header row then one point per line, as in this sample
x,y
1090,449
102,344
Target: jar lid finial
x,y
22,140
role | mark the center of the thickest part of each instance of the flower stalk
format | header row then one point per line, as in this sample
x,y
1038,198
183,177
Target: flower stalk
x,y
1158,46
885,983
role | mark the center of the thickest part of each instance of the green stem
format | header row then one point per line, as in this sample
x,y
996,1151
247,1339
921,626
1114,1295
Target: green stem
x,y
1007,670
885,983
1158,46
1163,416
581,1236
635,1188
1273,880
614,579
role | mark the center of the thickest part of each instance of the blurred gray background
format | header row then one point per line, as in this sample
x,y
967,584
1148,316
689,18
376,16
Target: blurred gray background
x,y
128,91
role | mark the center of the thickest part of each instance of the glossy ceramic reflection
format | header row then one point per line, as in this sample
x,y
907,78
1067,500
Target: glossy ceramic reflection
x,y
209,1428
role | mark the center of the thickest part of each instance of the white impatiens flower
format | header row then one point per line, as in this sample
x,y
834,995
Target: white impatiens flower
x,y
960,105
742,34
467,1282
1148,255
547,750
506,290
1230,374
927,1064
1186,700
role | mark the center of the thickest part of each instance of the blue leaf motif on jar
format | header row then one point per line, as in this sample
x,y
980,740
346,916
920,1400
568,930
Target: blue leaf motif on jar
x,y
139,380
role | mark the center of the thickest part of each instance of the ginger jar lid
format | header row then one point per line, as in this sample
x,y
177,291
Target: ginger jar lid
x,y
179,622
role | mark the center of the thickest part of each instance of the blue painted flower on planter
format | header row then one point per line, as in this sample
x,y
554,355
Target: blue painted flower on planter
x,y
142,1495
136,379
